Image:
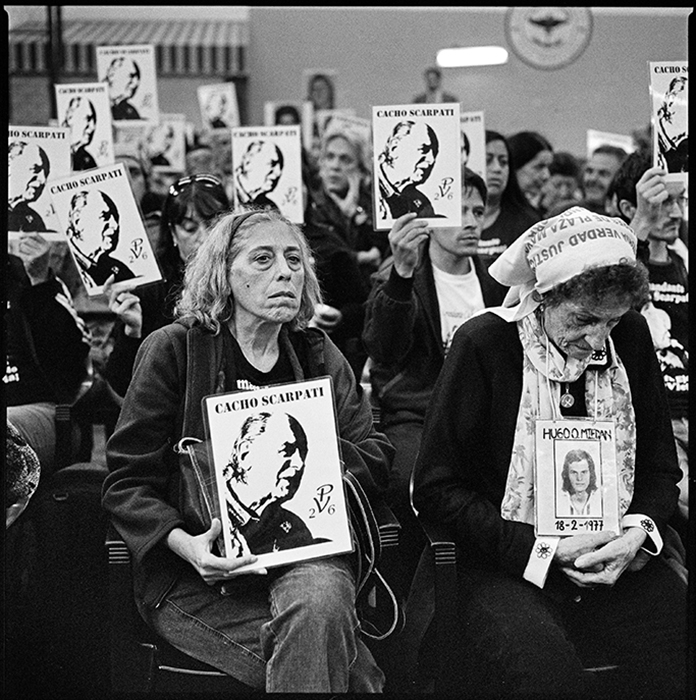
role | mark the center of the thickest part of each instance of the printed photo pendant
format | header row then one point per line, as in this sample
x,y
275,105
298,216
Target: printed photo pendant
x,y
567,400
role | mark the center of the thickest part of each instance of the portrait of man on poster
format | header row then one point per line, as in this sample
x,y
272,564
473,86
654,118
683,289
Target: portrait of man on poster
x,y
28,170
93,234
405,163
264,471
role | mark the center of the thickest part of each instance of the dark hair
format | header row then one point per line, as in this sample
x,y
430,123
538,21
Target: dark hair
x,y
625,281
565,163
466,143
285,110
470,179
623,184
524,145
433,69
578,456
205,195
327,81
512,196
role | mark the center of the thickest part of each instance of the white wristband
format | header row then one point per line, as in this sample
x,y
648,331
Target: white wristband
x,y
654,538
540,560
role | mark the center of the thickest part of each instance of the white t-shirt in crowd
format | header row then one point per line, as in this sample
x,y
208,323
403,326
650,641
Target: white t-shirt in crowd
x,y
459,297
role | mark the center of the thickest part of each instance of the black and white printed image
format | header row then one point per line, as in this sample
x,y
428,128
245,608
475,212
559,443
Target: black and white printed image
x,y
268,169
104,228
130,74
84,109
94,229
29,169
258,173
265,471
581,494
218,106
417,163
34,155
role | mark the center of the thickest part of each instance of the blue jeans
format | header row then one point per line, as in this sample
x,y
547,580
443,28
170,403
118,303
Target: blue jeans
x,y
294,631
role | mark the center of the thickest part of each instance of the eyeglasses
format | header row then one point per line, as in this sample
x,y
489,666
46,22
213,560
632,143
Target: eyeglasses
x,y
204,180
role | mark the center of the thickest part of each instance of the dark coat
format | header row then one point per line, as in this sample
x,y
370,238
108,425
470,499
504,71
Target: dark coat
x,y
403,337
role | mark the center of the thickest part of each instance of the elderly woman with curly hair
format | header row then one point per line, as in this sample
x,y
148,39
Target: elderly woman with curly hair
x,y
242,317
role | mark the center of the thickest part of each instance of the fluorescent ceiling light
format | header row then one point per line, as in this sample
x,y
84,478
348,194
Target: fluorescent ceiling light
x,y
471,56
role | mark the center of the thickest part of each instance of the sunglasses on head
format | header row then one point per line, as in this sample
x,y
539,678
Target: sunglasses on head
x,y
204,180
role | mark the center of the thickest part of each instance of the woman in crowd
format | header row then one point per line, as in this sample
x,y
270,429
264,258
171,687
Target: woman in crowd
x,y
247,298
346,247
532,154
192,204
508,214
567,344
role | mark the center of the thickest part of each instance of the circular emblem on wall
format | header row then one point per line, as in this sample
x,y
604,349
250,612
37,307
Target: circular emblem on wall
x,y
548,37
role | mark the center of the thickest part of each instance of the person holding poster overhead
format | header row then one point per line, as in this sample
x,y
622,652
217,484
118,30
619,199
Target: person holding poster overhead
x,y
242,318
427,288
567,346
191,206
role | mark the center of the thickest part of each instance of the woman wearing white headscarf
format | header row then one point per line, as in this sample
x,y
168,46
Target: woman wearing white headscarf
x,y
567,344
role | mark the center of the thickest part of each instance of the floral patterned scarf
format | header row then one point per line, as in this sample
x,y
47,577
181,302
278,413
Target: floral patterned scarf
x,y
607,397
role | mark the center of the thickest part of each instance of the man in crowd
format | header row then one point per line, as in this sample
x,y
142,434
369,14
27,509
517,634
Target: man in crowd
x,y
432,284
598,173
29,168
433,88
654,207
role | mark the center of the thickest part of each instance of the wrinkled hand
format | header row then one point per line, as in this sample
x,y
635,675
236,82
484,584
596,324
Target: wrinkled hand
x,y
651,193
348,204
125,305
604,565
34,251
325,317
405,239
197,550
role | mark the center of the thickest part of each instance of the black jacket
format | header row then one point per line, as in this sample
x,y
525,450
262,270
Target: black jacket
x,y
403,337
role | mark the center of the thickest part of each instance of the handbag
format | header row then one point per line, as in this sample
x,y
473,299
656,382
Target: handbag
x,y
378,609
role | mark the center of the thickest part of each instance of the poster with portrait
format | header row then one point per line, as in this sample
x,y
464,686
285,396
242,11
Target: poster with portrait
x,y
84,109
473,143
165,143
130,73
268,169
103,224
575,481
596,138
219,107
276,460
417,163
36,154
285,113
669,93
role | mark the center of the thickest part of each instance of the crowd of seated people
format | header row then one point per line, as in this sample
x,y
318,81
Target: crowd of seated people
x,y
462,340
